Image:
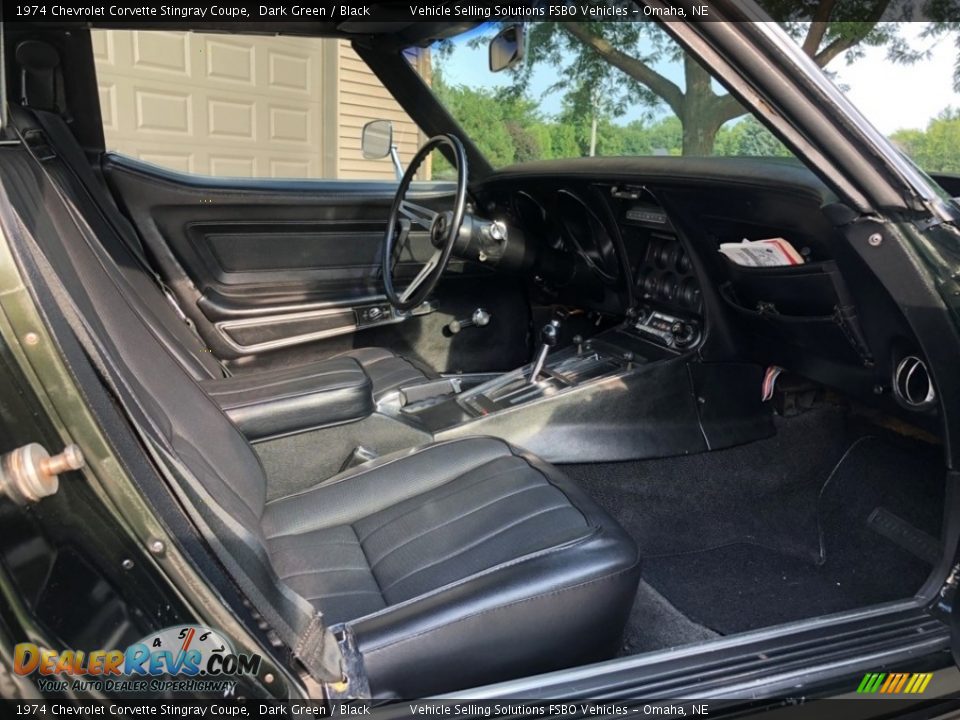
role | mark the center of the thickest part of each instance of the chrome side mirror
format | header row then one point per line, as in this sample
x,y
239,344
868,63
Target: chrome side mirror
x,y
376,139
376,142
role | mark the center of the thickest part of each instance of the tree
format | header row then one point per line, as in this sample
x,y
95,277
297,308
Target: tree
x,y
596,54
936,149
499,125
748,138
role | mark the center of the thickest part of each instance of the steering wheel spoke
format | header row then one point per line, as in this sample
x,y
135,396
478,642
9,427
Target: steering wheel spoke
x,y
402,243
422,216
424,273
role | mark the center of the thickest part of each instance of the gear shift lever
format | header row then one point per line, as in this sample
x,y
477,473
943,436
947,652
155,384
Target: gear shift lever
x,y
549,337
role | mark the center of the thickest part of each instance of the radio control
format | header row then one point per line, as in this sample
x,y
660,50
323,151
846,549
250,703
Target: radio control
x,y
684,333
670,331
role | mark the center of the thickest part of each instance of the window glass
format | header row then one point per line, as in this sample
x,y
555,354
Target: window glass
x,y
244,106
591,89
904,77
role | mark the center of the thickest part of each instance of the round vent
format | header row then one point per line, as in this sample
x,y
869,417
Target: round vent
x,y
912,384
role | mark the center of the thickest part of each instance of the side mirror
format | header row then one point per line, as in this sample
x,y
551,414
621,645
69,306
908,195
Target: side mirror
x,y
506,48
376,139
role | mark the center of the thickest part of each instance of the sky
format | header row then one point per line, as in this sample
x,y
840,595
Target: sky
x,y
891,96
895,97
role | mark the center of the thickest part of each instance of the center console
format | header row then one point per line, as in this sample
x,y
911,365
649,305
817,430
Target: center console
x,y
625,393
637,390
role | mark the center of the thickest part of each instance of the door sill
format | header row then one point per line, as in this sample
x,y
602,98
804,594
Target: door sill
x,y
768,663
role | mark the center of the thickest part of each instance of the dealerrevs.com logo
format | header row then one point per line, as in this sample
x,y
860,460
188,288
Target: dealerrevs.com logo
x,y
185,658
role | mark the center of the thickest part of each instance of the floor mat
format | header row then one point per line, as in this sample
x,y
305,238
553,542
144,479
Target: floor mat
x,y
776,530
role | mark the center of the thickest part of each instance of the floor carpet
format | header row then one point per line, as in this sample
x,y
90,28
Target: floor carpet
x,y
773,531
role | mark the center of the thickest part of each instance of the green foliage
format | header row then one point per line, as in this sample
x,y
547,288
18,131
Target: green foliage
x,y
936,149
604,69
482,116
507,128
747,137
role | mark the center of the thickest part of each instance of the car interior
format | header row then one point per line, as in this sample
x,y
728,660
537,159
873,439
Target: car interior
x,y
589,435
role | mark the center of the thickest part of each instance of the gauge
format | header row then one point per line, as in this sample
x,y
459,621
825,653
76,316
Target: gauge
x,y
647,281
668,287
530,214
690,293
587,233
666,256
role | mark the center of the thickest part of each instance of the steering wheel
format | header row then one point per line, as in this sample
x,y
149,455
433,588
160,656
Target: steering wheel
x,y
442,226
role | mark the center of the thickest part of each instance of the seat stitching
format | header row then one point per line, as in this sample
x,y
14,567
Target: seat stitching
x,y
288,375
500,567
293,396
280,381
317,571
445,496
539,596
451,521
414,451
477,543
343,594
367,560
320,542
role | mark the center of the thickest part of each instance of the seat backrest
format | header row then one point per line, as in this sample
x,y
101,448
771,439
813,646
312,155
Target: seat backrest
x,y
194,427
44,127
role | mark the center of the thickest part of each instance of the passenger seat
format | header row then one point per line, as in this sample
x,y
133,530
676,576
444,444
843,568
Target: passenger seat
x,y
454,565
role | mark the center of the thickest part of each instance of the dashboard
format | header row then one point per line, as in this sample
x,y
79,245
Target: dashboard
x,y
637,240
610,248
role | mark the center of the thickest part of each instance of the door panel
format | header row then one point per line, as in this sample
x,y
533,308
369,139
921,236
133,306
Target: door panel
x,y
262,266
258,256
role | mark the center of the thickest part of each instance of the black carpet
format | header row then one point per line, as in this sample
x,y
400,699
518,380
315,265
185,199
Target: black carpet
x,y
776,530
659,625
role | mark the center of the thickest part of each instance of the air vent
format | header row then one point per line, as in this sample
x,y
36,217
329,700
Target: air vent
x,y
912,384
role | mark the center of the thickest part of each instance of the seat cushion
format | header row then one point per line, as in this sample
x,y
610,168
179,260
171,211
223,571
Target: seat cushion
x,y
459,563
269,403
387,371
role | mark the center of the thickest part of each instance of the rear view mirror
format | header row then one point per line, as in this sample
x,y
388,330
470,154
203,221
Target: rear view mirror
x,y
376,140
506,49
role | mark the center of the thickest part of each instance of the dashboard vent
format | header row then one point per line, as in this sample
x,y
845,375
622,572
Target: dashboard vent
x,y
912,384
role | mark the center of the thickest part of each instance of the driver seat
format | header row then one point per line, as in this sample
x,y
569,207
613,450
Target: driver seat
x,y
262,402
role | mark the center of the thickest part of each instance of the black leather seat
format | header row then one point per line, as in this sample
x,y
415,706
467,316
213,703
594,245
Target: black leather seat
x,y
320,398
454,565
460,563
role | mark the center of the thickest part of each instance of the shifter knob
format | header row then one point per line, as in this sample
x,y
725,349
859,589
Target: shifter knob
x,y
550,334
549,339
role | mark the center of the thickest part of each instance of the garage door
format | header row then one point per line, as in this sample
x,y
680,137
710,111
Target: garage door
x,y
243,106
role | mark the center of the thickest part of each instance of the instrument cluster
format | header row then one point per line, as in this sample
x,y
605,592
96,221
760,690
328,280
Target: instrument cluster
x,y
662,267
665,274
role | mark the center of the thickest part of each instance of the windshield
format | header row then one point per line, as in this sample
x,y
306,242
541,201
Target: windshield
x,y
626,88
591,89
